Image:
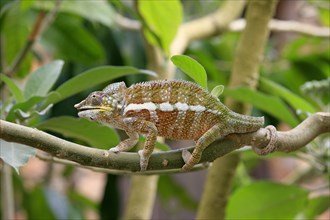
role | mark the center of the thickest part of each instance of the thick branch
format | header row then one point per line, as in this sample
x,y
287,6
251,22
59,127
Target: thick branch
x,y
245,72
287,141
304,133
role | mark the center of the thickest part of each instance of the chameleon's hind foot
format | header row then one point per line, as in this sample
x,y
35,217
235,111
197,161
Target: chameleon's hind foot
x,y
186,156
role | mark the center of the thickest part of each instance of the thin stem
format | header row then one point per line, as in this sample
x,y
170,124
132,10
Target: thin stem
x,y
42,22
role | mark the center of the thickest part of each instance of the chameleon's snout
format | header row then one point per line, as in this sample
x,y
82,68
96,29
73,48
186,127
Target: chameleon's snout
x,y
79,105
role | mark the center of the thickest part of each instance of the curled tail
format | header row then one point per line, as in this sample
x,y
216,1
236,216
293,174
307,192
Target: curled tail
x,y
244,123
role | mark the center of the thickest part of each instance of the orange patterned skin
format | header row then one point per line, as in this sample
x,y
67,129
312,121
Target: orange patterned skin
x,y
174,109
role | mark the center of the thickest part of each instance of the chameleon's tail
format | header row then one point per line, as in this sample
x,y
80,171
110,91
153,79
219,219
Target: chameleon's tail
x,y
245,123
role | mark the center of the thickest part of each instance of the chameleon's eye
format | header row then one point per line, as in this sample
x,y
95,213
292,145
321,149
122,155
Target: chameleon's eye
x,y
95,99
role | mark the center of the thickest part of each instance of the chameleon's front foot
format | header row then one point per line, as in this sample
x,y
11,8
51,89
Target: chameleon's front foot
x,y
114,149
143,160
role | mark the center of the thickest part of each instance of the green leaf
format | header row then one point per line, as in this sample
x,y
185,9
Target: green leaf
x,y
324,15
82,200
14,89
168,190
316,206
217,91
163,19
95,134
14,154
270,104
280,91
192,68
68,39
92,78
94,11
36,204
59,204
43,79
15,26
25,106
25,5
267,200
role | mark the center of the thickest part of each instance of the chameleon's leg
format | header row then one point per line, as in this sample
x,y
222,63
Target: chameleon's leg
x,y
205,140
148,128
127,144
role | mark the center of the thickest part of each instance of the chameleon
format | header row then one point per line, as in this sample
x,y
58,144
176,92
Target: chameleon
x,y
174,109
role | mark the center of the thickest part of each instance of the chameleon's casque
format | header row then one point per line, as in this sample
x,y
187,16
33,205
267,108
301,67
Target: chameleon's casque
x,y
174,109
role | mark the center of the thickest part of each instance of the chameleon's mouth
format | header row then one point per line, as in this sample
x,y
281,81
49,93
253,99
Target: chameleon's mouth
x,y
85,108
81,108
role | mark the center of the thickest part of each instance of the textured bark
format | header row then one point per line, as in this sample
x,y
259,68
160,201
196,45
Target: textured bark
x,y
245,73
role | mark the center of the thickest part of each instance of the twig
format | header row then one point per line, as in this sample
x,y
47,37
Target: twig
x,y
39,27
313,126
7,195
207,26
127,23
285,26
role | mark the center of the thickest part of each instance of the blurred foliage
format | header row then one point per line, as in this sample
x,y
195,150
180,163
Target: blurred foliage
x,y
83,50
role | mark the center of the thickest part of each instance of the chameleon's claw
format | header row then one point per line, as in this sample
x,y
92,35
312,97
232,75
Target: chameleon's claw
x,y
186,155
114,150
143,161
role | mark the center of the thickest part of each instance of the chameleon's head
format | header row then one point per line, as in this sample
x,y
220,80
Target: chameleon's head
x,y
102,105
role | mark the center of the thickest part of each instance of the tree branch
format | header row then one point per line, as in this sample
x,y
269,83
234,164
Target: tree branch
x,y
285,26
288,141
41,23
244,72
237,26
127,23
207,26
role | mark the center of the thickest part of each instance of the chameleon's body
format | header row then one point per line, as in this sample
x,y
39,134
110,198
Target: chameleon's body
x,y
173,109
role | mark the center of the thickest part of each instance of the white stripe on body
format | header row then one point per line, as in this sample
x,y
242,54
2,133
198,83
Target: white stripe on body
x,y
182,108
166,107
